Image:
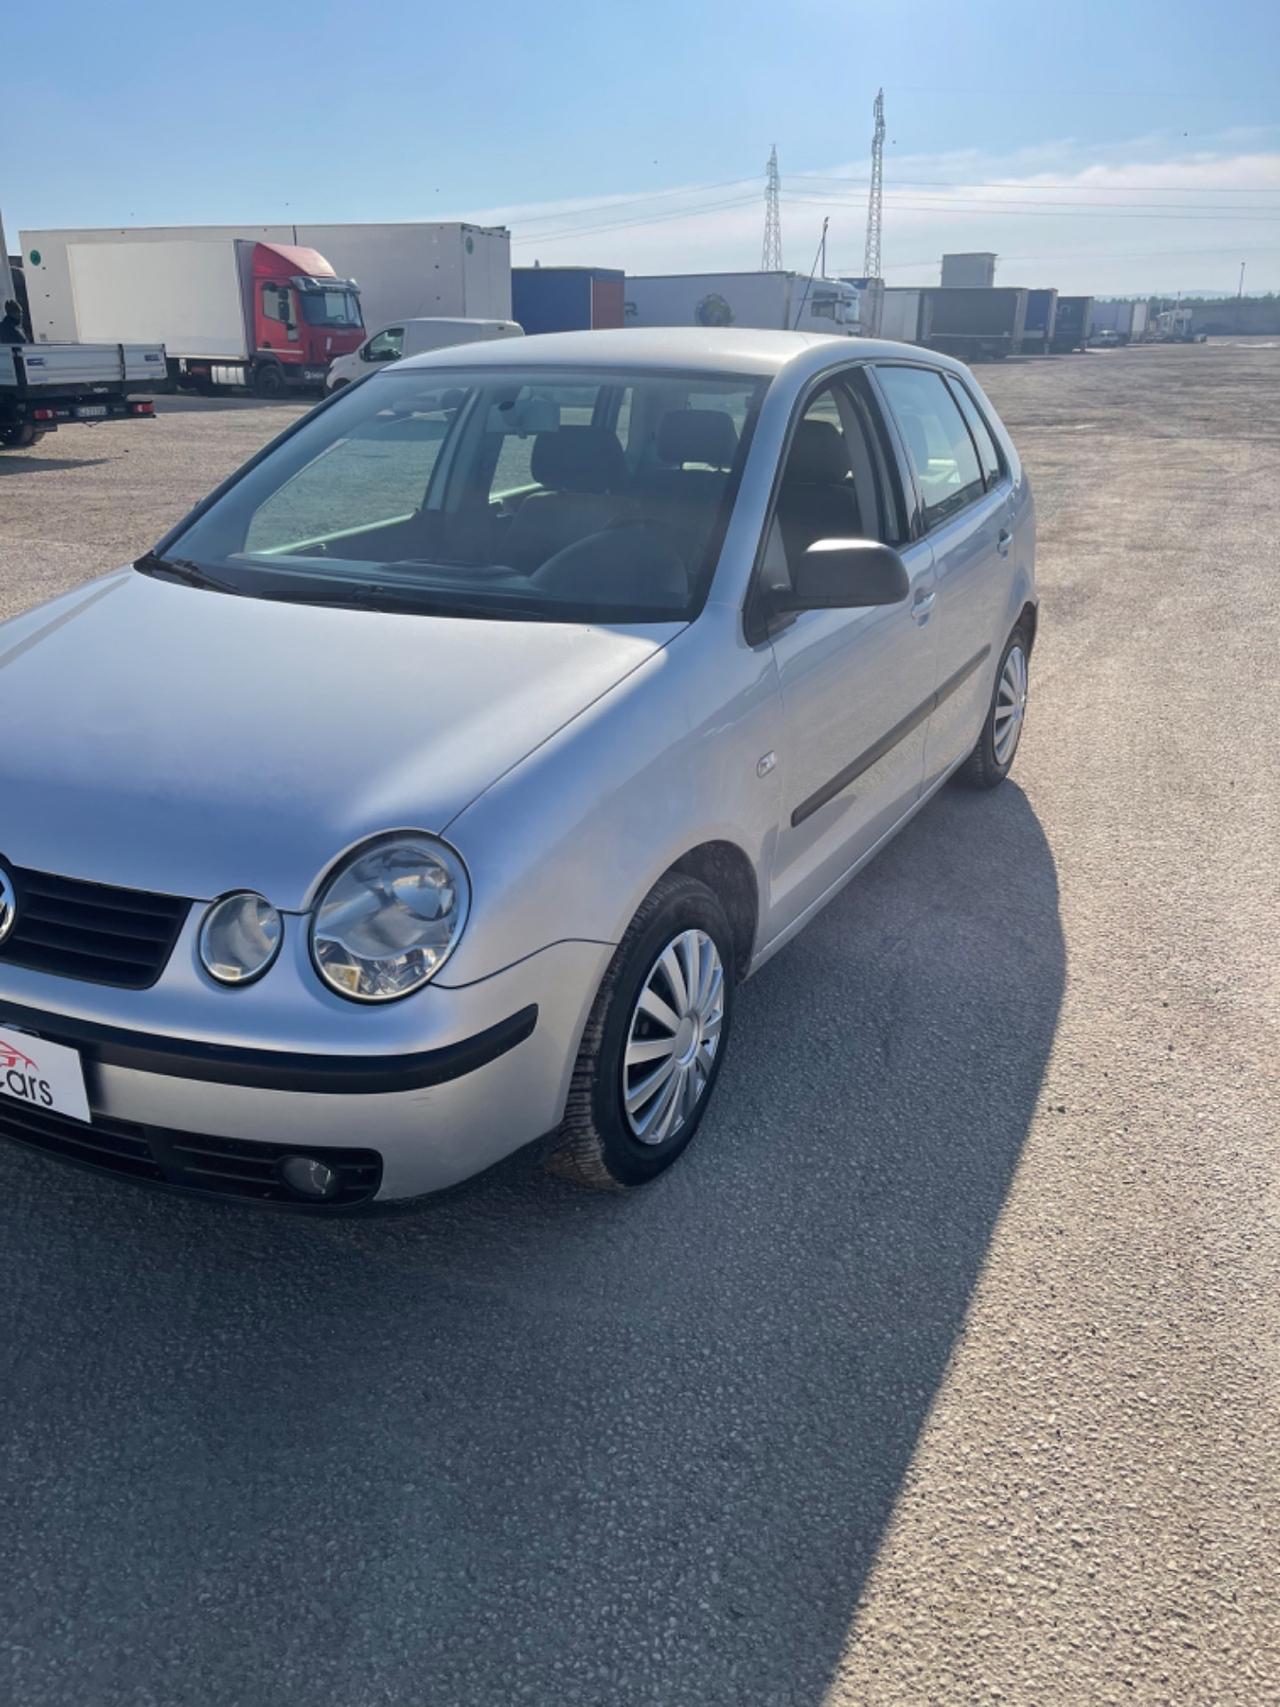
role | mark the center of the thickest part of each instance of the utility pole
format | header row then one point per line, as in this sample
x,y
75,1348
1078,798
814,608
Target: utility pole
x,y
1240,299
822,263
771,253
875,197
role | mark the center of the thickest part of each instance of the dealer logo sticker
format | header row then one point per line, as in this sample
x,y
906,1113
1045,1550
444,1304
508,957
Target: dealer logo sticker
x,y
44,1076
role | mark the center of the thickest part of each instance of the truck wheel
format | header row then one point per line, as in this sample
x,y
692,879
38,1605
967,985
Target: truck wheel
x,y
268,380
19,438
654,1044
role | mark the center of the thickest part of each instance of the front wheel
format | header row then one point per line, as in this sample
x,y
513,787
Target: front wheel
x,y
992,759
269,381
654,1043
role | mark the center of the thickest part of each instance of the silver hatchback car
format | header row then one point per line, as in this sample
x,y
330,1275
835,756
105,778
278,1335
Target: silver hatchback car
x,y
431,788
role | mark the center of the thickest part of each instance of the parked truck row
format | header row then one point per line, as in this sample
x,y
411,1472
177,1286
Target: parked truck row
x,y
114,315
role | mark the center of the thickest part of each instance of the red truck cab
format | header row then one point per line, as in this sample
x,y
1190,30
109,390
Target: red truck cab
x,y
302,316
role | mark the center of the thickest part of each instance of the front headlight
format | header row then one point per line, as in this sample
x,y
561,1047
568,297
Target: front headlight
x,y
388,918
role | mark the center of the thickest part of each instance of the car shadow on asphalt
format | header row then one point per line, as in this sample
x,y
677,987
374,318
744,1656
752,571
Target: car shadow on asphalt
x,y
21,462
529,1442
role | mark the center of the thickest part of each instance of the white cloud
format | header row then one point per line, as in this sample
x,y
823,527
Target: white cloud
x,y
1139,216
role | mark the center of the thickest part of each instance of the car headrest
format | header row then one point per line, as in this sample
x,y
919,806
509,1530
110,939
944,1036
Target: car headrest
x,y
818,456
579,459
697,435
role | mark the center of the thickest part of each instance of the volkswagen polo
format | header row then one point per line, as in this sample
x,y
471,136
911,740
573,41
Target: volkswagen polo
x,y
430,790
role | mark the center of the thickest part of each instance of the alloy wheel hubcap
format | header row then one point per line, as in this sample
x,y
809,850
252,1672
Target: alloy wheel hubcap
x,y
673,1038
1011,705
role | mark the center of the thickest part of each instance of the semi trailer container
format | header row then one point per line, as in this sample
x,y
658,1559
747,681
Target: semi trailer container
x,y
1071,324
1042,312
975,325
900,314
771,301
1127,320
973,271
568,299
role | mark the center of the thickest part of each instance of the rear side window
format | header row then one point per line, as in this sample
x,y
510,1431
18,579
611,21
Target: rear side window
x,y
988,454
937,440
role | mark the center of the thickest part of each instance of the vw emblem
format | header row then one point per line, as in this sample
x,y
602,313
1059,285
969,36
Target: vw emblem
x,y
8,905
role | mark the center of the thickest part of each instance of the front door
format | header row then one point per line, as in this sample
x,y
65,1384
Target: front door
x,y
856,686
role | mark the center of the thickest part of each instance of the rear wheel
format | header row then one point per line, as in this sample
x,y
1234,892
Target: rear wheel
x,y
654,1043
992,759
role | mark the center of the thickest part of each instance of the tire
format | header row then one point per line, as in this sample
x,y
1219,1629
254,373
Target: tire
x,y
21,437
338,385
992,759
597,1145
269,381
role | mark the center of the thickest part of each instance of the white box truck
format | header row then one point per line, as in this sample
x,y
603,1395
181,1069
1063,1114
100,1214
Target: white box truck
x,y
773,301
403,271
231,312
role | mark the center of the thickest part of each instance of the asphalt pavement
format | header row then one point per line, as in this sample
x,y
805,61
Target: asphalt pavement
x,y
942,1370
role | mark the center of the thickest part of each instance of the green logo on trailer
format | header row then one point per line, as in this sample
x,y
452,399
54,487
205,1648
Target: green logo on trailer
x,y
35,257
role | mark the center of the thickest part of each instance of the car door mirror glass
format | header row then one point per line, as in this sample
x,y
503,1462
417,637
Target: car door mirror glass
x,y
846,574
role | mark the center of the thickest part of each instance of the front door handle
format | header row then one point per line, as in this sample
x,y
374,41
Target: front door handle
x,y
921,605
1004,539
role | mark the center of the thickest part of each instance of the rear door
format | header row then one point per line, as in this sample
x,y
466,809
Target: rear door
x,y
963,493
856,685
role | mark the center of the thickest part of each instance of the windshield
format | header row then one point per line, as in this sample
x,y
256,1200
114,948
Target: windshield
x,y
573,495
331,308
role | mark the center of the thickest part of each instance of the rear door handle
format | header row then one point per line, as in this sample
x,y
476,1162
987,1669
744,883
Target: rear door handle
x,y
1004,539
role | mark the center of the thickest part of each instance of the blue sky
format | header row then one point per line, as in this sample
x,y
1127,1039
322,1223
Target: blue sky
x,y
1111,147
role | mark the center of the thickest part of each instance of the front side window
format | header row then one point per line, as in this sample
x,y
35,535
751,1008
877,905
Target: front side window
x,y
275,302
388,346
493,491
937,440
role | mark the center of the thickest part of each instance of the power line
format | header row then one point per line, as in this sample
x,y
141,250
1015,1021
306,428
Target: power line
x,y
1119,189
627,224
1097,255
1012,210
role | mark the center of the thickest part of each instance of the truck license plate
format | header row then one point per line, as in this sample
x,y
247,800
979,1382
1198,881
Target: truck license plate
x,y
90,411
46,1076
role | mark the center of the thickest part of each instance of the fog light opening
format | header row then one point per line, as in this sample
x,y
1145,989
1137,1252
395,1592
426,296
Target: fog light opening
x,y
309,1177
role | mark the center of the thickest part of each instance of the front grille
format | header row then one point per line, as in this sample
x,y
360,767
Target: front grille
x,y
224,1167
92,931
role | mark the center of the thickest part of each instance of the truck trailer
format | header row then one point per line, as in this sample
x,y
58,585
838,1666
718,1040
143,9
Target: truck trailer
x,y
1071,325
1127,320
900,314
974,324
403,271
1042,311
231,312
568,299
770,301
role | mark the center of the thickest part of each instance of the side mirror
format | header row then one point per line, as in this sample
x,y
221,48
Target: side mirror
x,y
845,574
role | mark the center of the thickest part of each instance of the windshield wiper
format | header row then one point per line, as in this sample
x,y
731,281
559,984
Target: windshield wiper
x,y
378,595
183,570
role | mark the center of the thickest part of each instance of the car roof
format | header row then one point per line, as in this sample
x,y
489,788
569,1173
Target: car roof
x,y
725,350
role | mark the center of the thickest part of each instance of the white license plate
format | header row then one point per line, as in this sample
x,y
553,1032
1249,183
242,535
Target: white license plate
x,y
46,1076
91,411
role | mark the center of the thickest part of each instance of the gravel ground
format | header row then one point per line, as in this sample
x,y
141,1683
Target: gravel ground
x,y
943,1370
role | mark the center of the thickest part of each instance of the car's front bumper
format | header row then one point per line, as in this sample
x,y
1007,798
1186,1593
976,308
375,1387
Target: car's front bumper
x,y
452,1082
